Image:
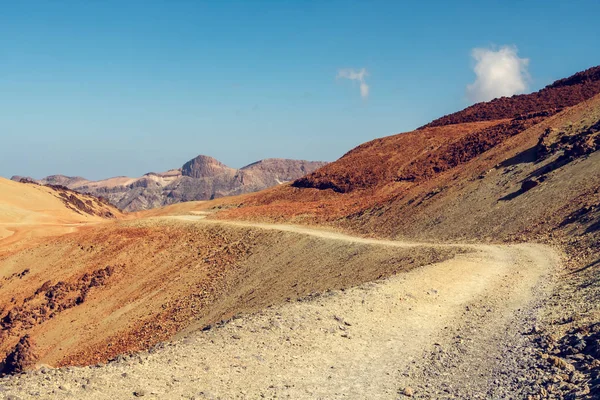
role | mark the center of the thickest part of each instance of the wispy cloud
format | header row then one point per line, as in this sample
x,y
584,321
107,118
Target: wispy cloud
x,y
499,73
358,76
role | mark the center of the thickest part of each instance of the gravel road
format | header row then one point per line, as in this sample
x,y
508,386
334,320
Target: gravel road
x,y
447,330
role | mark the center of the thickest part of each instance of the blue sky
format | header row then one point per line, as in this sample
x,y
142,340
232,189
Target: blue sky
x,y
109,88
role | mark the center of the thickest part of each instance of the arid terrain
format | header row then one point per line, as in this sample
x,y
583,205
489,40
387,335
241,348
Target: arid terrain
x,y
28,211
202,178
459,260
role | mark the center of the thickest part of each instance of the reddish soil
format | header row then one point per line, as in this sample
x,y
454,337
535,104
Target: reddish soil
x,y
377,163
429,182
116,288
552,99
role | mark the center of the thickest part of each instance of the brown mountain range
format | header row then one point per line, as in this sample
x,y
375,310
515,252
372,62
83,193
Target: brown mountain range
x,y
202,178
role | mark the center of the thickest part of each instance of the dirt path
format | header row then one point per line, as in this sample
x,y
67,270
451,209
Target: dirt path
x,y
434,332
200,217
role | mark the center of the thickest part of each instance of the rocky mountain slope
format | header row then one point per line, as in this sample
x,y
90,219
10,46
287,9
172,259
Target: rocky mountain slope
x,y
490,319
202,178
532,175
412,184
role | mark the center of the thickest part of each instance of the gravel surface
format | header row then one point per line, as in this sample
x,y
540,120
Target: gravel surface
x,y
449,330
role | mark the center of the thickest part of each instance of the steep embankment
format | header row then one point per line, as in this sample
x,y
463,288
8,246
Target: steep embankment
x,y
398,336
530,184
126,286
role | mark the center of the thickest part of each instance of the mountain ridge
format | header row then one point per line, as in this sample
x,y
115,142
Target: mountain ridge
x,y
449,141
551,99
201,178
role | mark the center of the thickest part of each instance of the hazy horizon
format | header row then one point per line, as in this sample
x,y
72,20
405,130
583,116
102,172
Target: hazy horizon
x,y
111,89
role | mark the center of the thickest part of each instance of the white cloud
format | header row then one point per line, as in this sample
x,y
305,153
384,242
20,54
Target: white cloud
x,y
358,76
499,73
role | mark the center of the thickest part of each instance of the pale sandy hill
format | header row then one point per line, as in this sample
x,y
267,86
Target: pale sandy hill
x,y
27,206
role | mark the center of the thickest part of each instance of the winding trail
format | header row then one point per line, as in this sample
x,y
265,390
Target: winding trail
x,y
439,330
200,217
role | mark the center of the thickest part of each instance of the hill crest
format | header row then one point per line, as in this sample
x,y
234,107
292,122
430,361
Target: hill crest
x,y
553,98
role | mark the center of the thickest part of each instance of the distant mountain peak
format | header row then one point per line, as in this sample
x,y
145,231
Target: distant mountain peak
x,y
201,178
203,167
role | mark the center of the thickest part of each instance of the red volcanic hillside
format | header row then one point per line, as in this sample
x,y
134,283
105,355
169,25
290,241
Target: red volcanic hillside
x,y
426,152
561,94
432,181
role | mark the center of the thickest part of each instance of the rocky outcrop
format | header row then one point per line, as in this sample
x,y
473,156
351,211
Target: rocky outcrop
x,y
571,143
20,358
204,167
61,180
